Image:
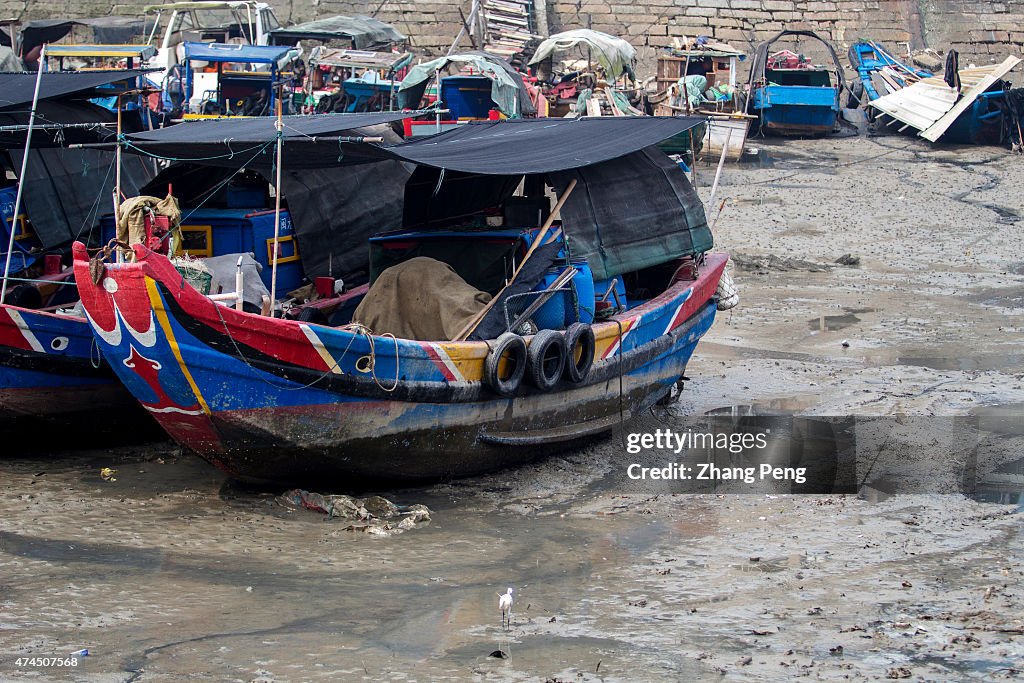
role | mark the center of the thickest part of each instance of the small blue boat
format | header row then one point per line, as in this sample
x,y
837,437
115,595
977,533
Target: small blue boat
x,y
868,58
789,95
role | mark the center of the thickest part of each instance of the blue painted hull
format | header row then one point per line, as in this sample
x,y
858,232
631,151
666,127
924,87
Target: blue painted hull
x,y
52,370
796,110
284,401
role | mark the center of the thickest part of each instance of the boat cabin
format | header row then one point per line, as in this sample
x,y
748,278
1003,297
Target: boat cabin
x,y
789,93
354,80
236,80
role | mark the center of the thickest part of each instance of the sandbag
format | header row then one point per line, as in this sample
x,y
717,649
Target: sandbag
x,y
422,299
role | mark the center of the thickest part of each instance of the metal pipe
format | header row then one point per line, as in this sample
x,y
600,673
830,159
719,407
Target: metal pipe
x,y
279,125
21,176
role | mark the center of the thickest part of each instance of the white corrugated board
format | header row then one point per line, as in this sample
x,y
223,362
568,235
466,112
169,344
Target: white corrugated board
x,y
931,106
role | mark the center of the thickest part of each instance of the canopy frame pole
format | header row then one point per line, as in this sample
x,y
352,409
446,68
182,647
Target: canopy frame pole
x,y
21,176
438,103
279,125
117,165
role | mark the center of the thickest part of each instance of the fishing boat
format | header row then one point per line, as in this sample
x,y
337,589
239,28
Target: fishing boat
x,y
976,105
275,400
789,94
878,72
50,367
712,68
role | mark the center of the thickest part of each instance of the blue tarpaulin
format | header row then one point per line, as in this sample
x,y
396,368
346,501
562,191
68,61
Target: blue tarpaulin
x,y
250,54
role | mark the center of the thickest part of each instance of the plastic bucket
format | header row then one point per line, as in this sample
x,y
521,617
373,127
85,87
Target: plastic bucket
x,y
576,304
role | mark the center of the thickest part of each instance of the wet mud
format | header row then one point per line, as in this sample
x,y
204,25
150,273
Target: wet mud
x,y
166,571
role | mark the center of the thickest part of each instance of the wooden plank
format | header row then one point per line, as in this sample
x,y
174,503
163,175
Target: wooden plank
x,y
935,131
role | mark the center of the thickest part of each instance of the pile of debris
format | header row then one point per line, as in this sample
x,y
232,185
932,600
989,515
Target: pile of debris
x,y
373,515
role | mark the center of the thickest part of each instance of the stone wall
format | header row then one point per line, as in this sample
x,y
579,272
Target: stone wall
x,y
982,30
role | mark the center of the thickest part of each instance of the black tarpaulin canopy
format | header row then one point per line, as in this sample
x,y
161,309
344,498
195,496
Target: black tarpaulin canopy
x,y
364,32
512,147
67,189
16,89
529,146
633,207
106,30
309,141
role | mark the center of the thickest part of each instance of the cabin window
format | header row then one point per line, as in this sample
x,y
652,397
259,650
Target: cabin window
x,y
196,240
270,22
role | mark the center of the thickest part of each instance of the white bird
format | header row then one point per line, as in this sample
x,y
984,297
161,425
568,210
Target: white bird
x,y
505,605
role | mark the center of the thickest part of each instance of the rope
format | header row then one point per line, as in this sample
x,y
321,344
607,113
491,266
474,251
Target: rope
x,y
622,418
354,328
260,148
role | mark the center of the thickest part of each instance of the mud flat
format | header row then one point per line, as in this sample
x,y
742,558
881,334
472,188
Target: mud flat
x,y
171,573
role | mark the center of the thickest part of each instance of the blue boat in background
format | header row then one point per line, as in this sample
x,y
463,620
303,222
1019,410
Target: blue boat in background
x,y
871,61
789,95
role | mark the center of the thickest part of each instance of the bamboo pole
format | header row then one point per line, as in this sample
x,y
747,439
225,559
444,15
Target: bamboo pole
x,y
21,177
475,321
117,166
279,125
721,163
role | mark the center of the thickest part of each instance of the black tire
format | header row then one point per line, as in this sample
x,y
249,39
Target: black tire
x,y
855,95
505,381
546,359
579,352
312,315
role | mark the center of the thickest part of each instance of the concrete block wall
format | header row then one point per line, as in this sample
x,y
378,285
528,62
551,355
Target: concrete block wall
x,y
982,30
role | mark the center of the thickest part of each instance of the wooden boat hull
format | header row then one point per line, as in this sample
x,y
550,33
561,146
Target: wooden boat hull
x,y
51,369
722,131
285,401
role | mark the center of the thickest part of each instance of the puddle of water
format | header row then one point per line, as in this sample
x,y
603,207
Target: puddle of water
x,y
832,323
985,362
1005,484
1006,215
760,158
1004,298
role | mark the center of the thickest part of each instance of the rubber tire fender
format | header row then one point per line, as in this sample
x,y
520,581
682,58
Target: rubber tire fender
x,y
546,359
582,335
513,345
312,315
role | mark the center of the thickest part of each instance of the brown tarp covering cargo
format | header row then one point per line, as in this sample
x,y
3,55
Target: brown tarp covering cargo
x,y
422,299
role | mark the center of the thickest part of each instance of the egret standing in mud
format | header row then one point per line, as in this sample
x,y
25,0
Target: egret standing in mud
x,y
505,605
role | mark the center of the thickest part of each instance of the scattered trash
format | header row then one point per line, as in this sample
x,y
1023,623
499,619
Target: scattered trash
x,y
107,474
80,653
846,344
899,672
376,514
